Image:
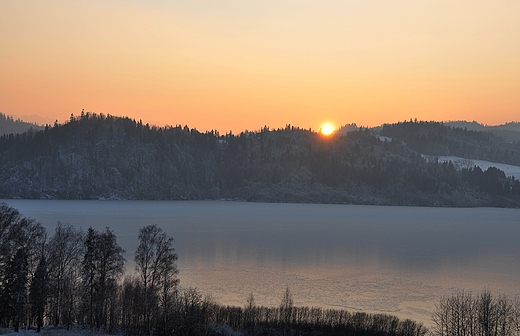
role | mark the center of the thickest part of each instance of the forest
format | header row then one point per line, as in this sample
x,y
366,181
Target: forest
x,y
96,156
77,279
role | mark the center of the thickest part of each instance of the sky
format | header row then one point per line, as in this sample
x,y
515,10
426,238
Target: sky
x,y
241,64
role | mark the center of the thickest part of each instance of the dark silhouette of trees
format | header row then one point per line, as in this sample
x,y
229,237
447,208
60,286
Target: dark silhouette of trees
x,y
64,254
21,240
156,267
286,307
466,314
8,125
15,287
192,313
102,266
288,319
39,291
89,277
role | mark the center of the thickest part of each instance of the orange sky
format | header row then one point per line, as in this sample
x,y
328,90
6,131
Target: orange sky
x,y
237,65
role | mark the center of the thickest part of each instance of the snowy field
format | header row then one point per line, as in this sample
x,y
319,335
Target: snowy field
x,y
50,331
460,163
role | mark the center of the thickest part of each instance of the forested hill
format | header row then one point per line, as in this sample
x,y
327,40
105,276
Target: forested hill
x,y
9,125
96,156
433,138
509,131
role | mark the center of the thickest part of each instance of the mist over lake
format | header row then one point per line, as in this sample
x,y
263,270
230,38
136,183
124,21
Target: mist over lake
x,y
397,260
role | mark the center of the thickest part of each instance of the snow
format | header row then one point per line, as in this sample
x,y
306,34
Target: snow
x,y
460,163
48,331
384,138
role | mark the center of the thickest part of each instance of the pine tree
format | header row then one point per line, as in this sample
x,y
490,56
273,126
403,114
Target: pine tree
x,y
89,274
38,293
16,286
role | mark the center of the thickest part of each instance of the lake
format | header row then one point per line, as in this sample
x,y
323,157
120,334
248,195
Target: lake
x,y
396,260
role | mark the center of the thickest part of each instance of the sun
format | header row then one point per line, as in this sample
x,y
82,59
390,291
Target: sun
x,y
327,129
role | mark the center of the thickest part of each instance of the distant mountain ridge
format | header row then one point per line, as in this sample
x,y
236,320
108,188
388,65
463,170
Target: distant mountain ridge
x,y
9,125
97,156
438,139
509,131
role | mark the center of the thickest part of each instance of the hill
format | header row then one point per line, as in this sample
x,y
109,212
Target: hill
x,y
97,156
434,138
8,125
510,131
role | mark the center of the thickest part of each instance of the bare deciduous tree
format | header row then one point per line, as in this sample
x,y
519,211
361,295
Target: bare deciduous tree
x,y
485,314
156,266
64,252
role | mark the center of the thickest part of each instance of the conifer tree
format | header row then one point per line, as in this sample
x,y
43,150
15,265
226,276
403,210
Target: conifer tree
x,y
39,292
88,275
16,287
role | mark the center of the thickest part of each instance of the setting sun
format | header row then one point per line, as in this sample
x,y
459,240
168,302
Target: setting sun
x,y
327,129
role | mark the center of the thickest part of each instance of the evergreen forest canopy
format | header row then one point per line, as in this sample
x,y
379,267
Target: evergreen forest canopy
x,y
96,156
509,131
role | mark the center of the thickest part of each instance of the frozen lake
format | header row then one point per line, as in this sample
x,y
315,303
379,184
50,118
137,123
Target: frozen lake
x,y
397,260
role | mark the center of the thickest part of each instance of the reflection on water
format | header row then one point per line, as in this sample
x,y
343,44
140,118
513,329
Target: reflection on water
x,y
397,260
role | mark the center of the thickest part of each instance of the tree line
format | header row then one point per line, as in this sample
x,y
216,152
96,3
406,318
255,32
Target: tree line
x,y
98,156
9,125
436,138
482,314
73,278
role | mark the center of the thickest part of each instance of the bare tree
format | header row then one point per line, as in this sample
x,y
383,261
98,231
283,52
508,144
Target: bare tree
x,y
192,313
463,314
110,267
131,305
64,251
102,266
155,260
250,312
286,307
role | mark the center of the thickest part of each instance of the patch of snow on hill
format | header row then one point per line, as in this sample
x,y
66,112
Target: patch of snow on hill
x,y
384,138
460,163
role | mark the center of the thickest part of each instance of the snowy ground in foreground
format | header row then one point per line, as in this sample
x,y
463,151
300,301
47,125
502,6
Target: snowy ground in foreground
x,y
49,331
460,163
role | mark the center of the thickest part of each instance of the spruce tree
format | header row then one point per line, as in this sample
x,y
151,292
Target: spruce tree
x,y
39,292
15,287
89,274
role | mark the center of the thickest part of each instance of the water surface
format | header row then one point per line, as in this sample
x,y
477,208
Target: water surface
x,y
397,260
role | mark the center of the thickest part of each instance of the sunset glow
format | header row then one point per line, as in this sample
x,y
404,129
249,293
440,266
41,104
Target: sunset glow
x,y
239,65
327,129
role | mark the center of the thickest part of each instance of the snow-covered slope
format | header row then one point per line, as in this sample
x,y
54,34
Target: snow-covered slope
x,y
460,163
